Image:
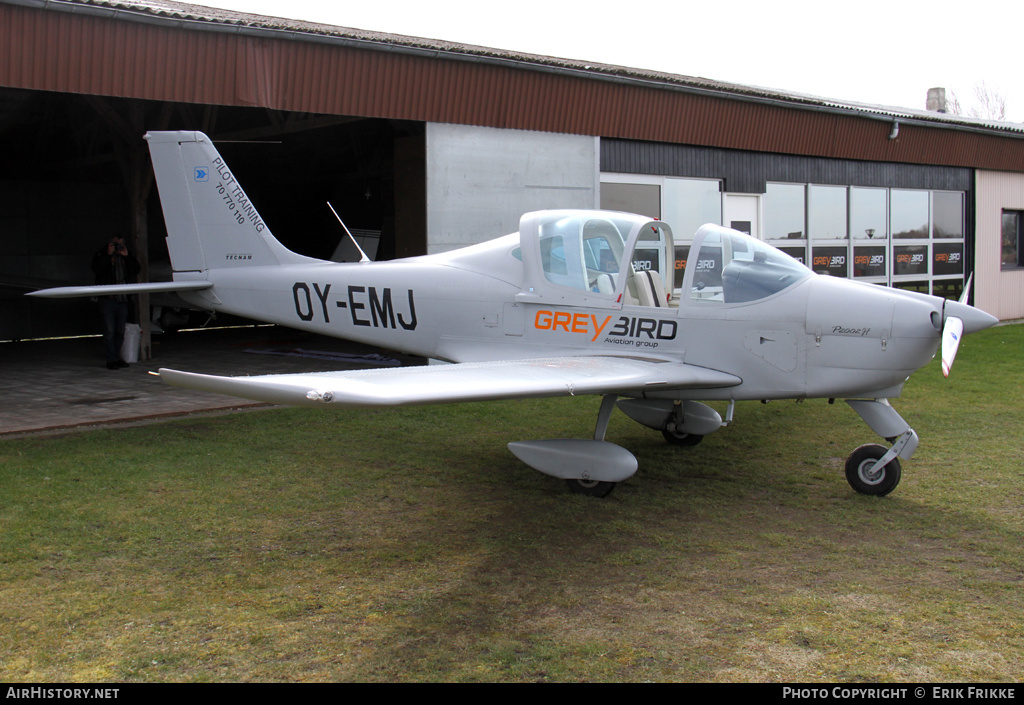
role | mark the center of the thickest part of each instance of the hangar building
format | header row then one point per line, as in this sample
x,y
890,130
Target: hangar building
x,y
424,145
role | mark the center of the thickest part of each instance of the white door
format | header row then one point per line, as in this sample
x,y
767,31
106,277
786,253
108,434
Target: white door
x,y
742,211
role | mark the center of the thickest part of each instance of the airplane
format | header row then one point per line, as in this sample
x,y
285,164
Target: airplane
x,y
573,304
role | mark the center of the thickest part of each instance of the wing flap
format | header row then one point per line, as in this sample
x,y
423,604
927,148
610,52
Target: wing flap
x,y
477,381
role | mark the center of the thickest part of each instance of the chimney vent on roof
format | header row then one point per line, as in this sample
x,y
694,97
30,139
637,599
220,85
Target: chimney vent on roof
x,y
936,100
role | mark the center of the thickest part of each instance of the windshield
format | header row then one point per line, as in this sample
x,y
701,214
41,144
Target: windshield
x,y
731,267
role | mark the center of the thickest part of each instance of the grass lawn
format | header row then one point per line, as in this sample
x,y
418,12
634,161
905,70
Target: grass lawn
x,y
409,544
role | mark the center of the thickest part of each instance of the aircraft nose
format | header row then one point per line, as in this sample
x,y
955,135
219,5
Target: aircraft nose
x,y
974,318
917,316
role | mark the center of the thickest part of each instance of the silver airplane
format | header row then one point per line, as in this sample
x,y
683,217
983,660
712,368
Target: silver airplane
x,y
574,303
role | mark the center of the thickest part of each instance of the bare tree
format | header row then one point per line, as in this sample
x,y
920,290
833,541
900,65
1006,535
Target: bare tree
x,y
993,105
989,104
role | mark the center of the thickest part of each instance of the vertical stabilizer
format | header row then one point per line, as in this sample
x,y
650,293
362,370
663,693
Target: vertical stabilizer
x,y
211,223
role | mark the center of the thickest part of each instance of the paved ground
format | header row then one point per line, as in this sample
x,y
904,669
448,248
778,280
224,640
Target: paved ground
x,y
64,384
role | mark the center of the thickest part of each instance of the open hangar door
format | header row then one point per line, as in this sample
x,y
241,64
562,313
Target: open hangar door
x,y
76,171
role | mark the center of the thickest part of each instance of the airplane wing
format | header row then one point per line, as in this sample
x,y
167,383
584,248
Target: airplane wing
x,y
69,292
473,381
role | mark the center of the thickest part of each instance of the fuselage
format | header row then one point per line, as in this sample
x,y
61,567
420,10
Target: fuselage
x,y
570,282
819,337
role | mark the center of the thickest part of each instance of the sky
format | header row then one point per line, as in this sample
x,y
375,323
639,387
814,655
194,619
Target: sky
x,y
880,52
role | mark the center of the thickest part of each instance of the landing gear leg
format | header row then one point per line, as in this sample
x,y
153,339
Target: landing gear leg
x,y
873,469
671,431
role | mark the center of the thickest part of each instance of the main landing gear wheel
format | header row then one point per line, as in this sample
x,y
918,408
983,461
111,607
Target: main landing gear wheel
x,y
681,439
591,488
859,471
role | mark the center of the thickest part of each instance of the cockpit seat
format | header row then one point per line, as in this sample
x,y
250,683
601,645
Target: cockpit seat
x,y
603,284
650,291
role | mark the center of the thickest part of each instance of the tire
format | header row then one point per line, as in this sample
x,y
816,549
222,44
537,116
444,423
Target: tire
x,y
859,464
591,488
681,439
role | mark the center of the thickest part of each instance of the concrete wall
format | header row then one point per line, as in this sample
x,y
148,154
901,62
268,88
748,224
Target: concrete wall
x,y
997,291
480,180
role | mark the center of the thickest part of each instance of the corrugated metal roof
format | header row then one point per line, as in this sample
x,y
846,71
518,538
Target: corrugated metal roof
x,y
169,51
225,20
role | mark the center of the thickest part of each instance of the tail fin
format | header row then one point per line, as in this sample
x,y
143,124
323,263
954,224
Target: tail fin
x,y
211,223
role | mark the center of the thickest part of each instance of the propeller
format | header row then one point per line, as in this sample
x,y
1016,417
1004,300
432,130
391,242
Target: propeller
x,y
952,331
955,314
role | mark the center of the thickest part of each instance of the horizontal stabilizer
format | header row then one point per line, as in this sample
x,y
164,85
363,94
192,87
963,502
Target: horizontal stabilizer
x,y
70,292
476,381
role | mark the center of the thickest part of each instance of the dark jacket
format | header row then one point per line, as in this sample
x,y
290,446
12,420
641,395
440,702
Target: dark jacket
x,y
115,268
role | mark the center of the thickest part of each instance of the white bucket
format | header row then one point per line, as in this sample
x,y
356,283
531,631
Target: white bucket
x,y
132,342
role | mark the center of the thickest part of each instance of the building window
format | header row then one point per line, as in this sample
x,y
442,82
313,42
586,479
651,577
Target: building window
x,y
909,212
684,203
869,217
644,199
826,218
947,214
690,203
1013,239
785,212
908,238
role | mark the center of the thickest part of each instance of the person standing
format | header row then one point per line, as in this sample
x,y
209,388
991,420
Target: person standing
x,y
113,265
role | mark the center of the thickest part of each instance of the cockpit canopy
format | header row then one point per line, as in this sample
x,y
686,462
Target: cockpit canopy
x,y
593,257
603,258
727,266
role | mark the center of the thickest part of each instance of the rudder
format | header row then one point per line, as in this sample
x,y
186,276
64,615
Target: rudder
x,y
211,223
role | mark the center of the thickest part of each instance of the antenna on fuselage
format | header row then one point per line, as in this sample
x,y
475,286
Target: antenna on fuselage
x,y
363,257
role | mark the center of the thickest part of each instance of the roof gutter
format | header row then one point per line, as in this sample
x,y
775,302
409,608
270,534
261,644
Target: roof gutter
x,y
228,27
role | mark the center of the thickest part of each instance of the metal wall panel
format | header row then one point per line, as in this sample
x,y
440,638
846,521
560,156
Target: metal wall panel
x,y
86,53
997,291
481,180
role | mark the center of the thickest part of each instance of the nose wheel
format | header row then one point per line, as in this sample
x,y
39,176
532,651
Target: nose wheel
x,y
874,469
867,474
